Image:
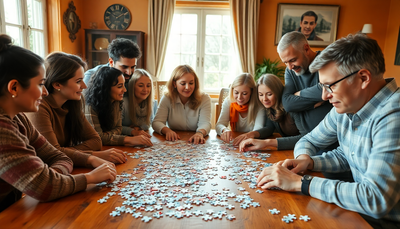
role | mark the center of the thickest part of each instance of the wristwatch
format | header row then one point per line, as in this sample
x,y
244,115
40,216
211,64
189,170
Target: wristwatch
x,y
305,184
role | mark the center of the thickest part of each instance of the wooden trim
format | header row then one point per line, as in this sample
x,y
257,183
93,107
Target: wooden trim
x,y
203,4
54,25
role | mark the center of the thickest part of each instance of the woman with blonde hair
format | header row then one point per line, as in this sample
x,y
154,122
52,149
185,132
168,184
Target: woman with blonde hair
x,y
240,111
137,112
289,126
184,107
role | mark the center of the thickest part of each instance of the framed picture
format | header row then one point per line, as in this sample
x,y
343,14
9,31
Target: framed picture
x,y
397,55
317,22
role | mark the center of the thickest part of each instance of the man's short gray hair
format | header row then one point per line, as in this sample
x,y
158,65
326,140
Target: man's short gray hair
x,y
352,53
296,39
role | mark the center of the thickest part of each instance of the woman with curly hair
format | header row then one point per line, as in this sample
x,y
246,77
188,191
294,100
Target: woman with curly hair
x,y
61,119
28,162
104,99
270,90
184,107
137,112
240,111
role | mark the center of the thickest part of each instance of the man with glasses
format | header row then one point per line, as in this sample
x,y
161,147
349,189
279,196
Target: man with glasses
x,y
366,123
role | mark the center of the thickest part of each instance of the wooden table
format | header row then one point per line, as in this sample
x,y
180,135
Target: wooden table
x,y
83,211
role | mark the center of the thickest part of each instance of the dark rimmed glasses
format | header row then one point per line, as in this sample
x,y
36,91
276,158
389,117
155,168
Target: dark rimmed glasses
x,y
328,86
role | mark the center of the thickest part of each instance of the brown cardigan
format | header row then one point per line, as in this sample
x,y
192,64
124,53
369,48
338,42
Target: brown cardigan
x,y
50,122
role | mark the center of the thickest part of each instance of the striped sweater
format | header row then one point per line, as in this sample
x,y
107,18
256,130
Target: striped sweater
x,y
27,161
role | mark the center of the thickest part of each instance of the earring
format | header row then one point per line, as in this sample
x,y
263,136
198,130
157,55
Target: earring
x,y
13,96
58,89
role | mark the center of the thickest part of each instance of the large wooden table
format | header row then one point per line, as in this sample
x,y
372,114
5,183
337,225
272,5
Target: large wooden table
x,y
83,211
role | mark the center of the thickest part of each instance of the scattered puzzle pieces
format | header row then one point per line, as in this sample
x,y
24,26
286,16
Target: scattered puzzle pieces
x,y
305,218
274,211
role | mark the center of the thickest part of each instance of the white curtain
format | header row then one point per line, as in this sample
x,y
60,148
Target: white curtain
x,y
161,14
245,16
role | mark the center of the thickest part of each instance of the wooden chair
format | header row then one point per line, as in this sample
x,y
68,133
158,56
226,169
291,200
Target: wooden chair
x,y
161,87
222,95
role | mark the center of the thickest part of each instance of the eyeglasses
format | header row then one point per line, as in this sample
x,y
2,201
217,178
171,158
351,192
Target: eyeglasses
x,y
328,86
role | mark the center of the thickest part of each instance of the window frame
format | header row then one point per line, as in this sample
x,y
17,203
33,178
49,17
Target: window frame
x,y
202,12
26,28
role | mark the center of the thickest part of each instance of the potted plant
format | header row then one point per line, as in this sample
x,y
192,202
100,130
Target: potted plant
x,y
272,67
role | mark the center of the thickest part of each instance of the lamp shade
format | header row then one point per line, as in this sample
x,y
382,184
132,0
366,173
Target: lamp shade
x,y
367,28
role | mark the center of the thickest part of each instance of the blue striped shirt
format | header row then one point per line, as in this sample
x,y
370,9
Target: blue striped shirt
x,y
369,147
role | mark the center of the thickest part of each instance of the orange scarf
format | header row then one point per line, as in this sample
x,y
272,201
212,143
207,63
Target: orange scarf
x,y
234,111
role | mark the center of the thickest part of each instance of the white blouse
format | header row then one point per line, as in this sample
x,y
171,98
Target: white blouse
x,y
242,125
181,117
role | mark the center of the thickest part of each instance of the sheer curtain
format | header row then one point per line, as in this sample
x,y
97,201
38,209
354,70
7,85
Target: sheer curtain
x,y
245,16
161,14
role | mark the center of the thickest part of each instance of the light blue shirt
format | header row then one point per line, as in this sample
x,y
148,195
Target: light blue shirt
x,y
369,147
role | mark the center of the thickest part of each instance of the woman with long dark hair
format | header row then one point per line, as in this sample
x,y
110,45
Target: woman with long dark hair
x,y
61,119
28,162
104,101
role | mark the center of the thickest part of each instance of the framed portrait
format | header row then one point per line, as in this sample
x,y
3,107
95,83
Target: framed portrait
x,y
397,55
317,22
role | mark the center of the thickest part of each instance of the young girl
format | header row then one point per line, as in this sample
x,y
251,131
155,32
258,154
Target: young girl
x,y
28,162
240,110
184,107
270,90
61,119
137,113
104,99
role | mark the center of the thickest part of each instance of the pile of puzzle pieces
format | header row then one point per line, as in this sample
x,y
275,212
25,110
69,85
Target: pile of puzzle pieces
x,y
172,178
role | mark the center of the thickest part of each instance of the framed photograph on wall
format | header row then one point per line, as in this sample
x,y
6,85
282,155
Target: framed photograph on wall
x,y
317,22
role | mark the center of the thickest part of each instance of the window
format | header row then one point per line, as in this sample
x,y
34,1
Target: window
x,y
202,38
25,22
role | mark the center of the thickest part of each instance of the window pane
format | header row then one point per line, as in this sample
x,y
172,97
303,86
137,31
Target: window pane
x,y
176,24
171,61
16,33
213,24
36,42
211,80
35,18
212,44
227,46
225,63
188,43
12,11
211,63
189,24
174,44
226,25
188,59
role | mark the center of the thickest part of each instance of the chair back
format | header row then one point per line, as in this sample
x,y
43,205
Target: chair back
x,y
222,95
161,87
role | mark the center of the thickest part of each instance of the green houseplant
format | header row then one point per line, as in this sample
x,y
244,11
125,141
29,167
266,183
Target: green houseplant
x,y
269,66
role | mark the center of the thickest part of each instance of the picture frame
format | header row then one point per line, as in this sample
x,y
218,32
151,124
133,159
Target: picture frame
x,y
321,32
71,21
397,54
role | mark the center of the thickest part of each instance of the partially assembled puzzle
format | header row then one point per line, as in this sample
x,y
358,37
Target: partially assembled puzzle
x,y
173,179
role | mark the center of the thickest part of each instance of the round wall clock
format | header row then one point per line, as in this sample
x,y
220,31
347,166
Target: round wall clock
x,y
117,17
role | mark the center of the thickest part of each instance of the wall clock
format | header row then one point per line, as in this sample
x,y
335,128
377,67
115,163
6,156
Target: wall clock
x,y
117,17
71,21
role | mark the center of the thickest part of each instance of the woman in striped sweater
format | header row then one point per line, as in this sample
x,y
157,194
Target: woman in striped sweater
x,y
28,163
